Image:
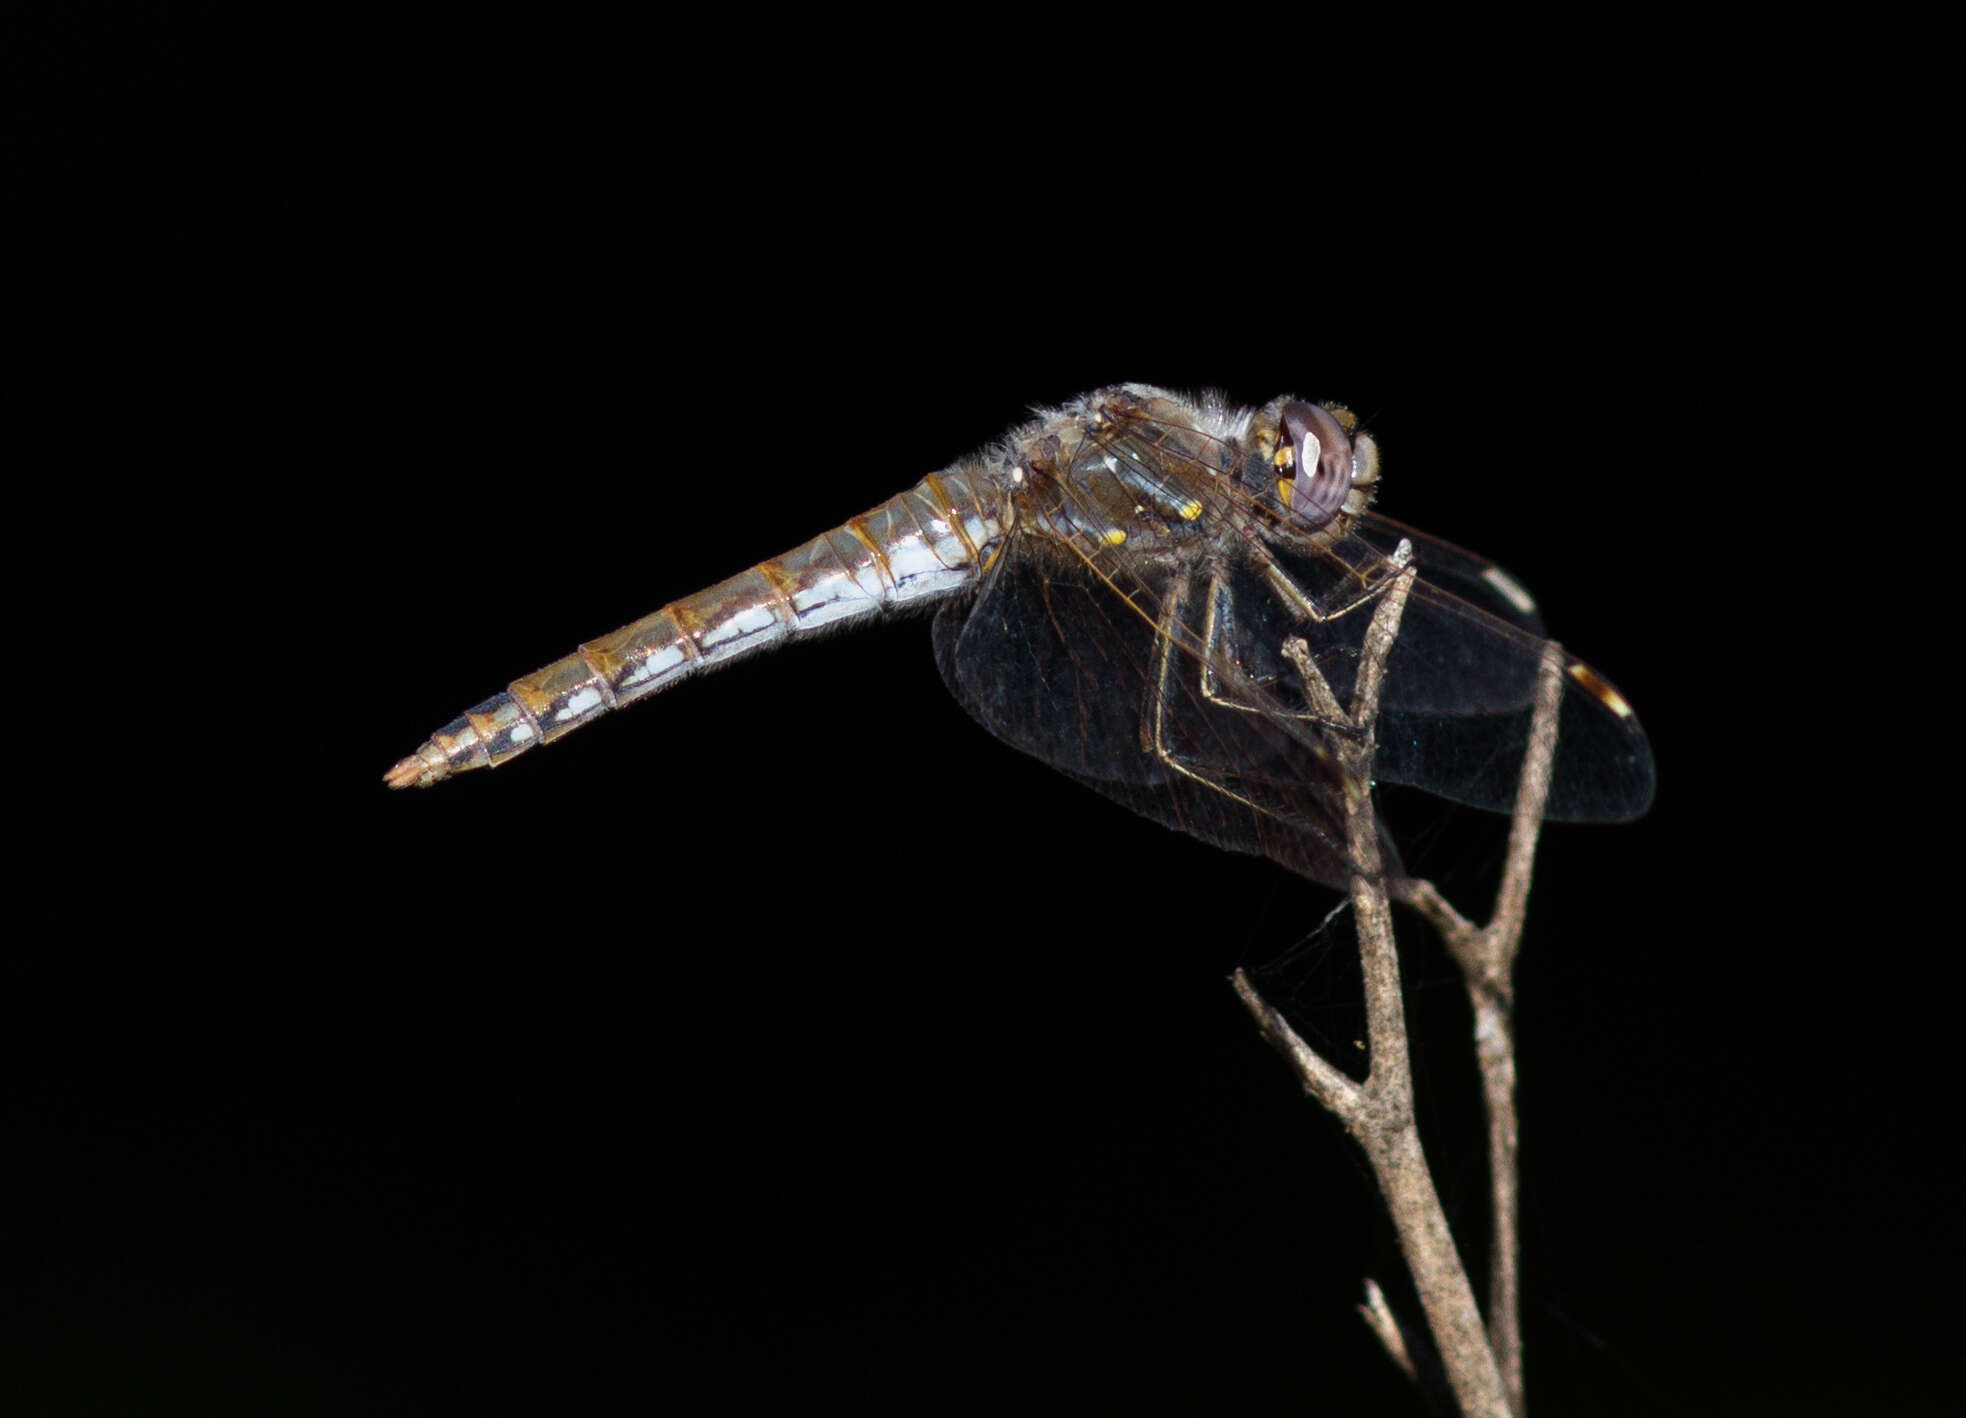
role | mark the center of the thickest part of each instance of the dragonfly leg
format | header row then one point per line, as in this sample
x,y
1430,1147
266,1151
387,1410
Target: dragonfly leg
x,y
1236,690
1254,695
1305,606
1155,731
1166,652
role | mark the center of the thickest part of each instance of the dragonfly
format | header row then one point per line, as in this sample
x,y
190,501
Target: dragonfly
x,y
1115,584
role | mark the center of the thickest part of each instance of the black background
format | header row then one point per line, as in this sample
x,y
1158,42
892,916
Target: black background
x,y
788,1040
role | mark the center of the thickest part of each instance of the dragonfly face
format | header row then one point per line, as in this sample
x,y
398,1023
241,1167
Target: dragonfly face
x,y
1118,582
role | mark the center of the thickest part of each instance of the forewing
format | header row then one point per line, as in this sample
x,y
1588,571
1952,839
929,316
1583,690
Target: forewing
x,y
1463,574
1460,688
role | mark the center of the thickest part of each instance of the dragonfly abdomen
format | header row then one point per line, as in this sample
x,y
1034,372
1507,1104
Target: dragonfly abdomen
x,y
923,543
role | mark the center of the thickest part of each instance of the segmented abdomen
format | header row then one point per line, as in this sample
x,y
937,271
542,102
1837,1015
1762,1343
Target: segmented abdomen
x,y
925,542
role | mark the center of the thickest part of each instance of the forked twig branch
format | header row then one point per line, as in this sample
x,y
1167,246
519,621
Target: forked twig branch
x,y
1483,1364
1487,956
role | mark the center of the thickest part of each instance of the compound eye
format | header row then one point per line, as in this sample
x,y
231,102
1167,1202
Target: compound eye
x,y
1314,464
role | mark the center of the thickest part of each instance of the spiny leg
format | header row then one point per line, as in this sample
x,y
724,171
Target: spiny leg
x,y
1324,707
1166,649
1168,693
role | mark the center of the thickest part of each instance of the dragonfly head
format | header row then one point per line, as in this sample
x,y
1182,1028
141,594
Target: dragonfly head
x,y
1325,467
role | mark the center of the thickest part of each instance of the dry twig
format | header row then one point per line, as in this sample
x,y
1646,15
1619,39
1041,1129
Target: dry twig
x,y
1483,1364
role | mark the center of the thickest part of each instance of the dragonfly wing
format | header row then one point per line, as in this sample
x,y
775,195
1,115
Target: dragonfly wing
x,y
1044,662
1460,686
1064,659
1467,577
